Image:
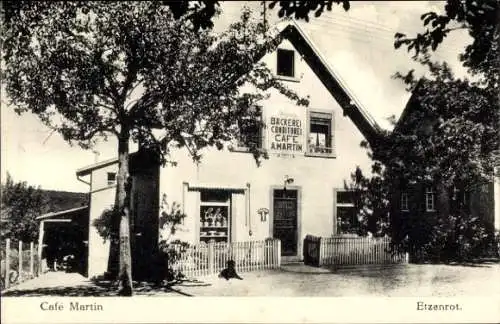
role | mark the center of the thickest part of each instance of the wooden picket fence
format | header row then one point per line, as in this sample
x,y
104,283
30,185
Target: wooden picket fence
x,y
18,263
208,259
340,250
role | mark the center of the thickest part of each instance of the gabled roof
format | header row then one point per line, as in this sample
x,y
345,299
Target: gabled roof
x,y
87,169
410,107
337,87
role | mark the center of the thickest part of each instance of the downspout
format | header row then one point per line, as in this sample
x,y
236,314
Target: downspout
x,y
249,211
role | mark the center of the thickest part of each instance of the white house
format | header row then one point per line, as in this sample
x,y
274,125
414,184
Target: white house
x,y
227,197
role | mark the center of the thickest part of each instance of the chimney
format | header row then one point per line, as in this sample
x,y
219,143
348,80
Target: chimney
x,y
96,156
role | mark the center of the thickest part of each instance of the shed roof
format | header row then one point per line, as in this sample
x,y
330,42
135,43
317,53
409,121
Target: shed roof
x,y
66,212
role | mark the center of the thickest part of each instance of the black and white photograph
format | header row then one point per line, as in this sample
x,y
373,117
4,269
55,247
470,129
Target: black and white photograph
x,y
160,151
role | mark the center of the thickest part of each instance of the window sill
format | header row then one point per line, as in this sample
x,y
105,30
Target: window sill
x,y
243,149
287,78
430,210
321,155
405,210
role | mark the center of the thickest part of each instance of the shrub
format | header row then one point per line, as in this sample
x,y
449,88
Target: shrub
x,y
170,249
103,224
458,238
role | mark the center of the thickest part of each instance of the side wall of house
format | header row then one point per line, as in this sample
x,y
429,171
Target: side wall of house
x,y
102,197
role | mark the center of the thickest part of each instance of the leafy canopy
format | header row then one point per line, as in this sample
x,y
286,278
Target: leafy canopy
x,y
127,68
20,205
480,19
301,9
451,127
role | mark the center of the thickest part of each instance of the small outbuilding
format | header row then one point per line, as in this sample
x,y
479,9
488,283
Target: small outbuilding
x,y
64,236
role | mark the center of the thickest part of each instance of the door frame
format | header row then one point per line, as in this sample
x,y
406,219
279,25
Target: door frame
x,y
299,217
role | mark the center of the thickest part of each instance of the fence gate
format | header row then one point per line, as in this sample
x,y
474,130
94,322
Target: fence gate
x,y
311,250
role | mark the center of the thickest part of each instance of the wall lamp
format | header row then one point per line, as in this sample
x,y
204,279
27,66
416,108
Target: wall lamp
x,y
287,181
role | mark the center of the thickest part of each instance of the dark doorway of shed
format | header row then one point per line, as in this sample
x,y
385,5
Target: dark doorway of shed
x,y
65,246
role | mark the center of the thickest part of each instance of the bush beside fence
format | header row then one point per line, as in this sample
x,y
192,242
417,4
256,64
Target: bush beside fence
x,y
208,259
19,262
339,250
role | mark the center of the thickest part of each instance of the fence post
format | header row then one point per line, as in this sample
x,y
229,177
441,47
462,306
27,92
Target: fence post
x,y
20,259
41,233
7,263
211,257
32,260
320,252
279,253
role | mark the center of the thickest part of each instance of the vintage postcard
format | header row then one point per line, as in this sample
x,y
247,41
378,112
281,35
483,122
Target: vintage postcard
x,y
250,161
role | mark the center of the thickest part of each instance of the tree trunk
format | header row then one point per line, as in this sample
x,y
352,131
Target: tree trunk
x,y
122,204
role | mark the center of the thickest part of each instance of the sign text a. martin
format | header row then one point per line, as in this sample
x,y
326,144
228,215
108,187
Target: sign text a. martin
x,y
286,134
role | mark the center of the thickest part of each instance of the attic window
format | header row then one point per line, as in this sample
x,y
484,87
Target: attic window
x,y
111,178
285,63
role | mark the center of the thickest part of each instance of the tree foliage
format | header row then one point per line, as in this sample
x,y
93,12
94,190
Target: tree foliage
x,y
480,19
77,64
171,219
447,138
126,69
301,9
452,128
371,201
20,205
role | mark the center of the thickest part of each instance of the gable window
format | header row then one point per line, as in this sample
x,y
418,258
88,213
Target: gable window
x,y
430,200
320,138
215,216
404,201
347,220
111,178
285,63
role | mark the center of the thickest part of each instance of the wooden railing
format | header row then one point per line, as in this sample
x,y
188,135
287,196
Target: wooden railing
x,y
18,263
339,250
208,259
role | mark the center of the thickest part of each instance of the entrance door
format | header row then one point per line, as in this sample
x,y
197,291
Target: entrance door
x,y
285,220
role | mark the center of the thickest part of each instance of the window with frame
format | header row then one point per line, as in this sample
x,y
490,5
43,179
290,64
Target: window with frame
x,y
320,137
347,220
285,63
404,201
430,199
251,132
215,216
111,178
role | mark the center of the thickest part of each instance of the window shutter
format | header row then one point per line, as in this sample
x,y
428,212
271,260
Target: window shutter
x,y
332,139
263,131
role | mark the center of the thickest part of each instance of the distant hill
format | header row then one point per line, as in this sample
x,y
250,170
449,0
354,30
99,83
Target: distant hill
x,y
62,200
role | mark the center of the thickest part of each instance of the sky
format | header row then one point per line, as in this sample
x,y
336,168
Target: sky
x,y
358,45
